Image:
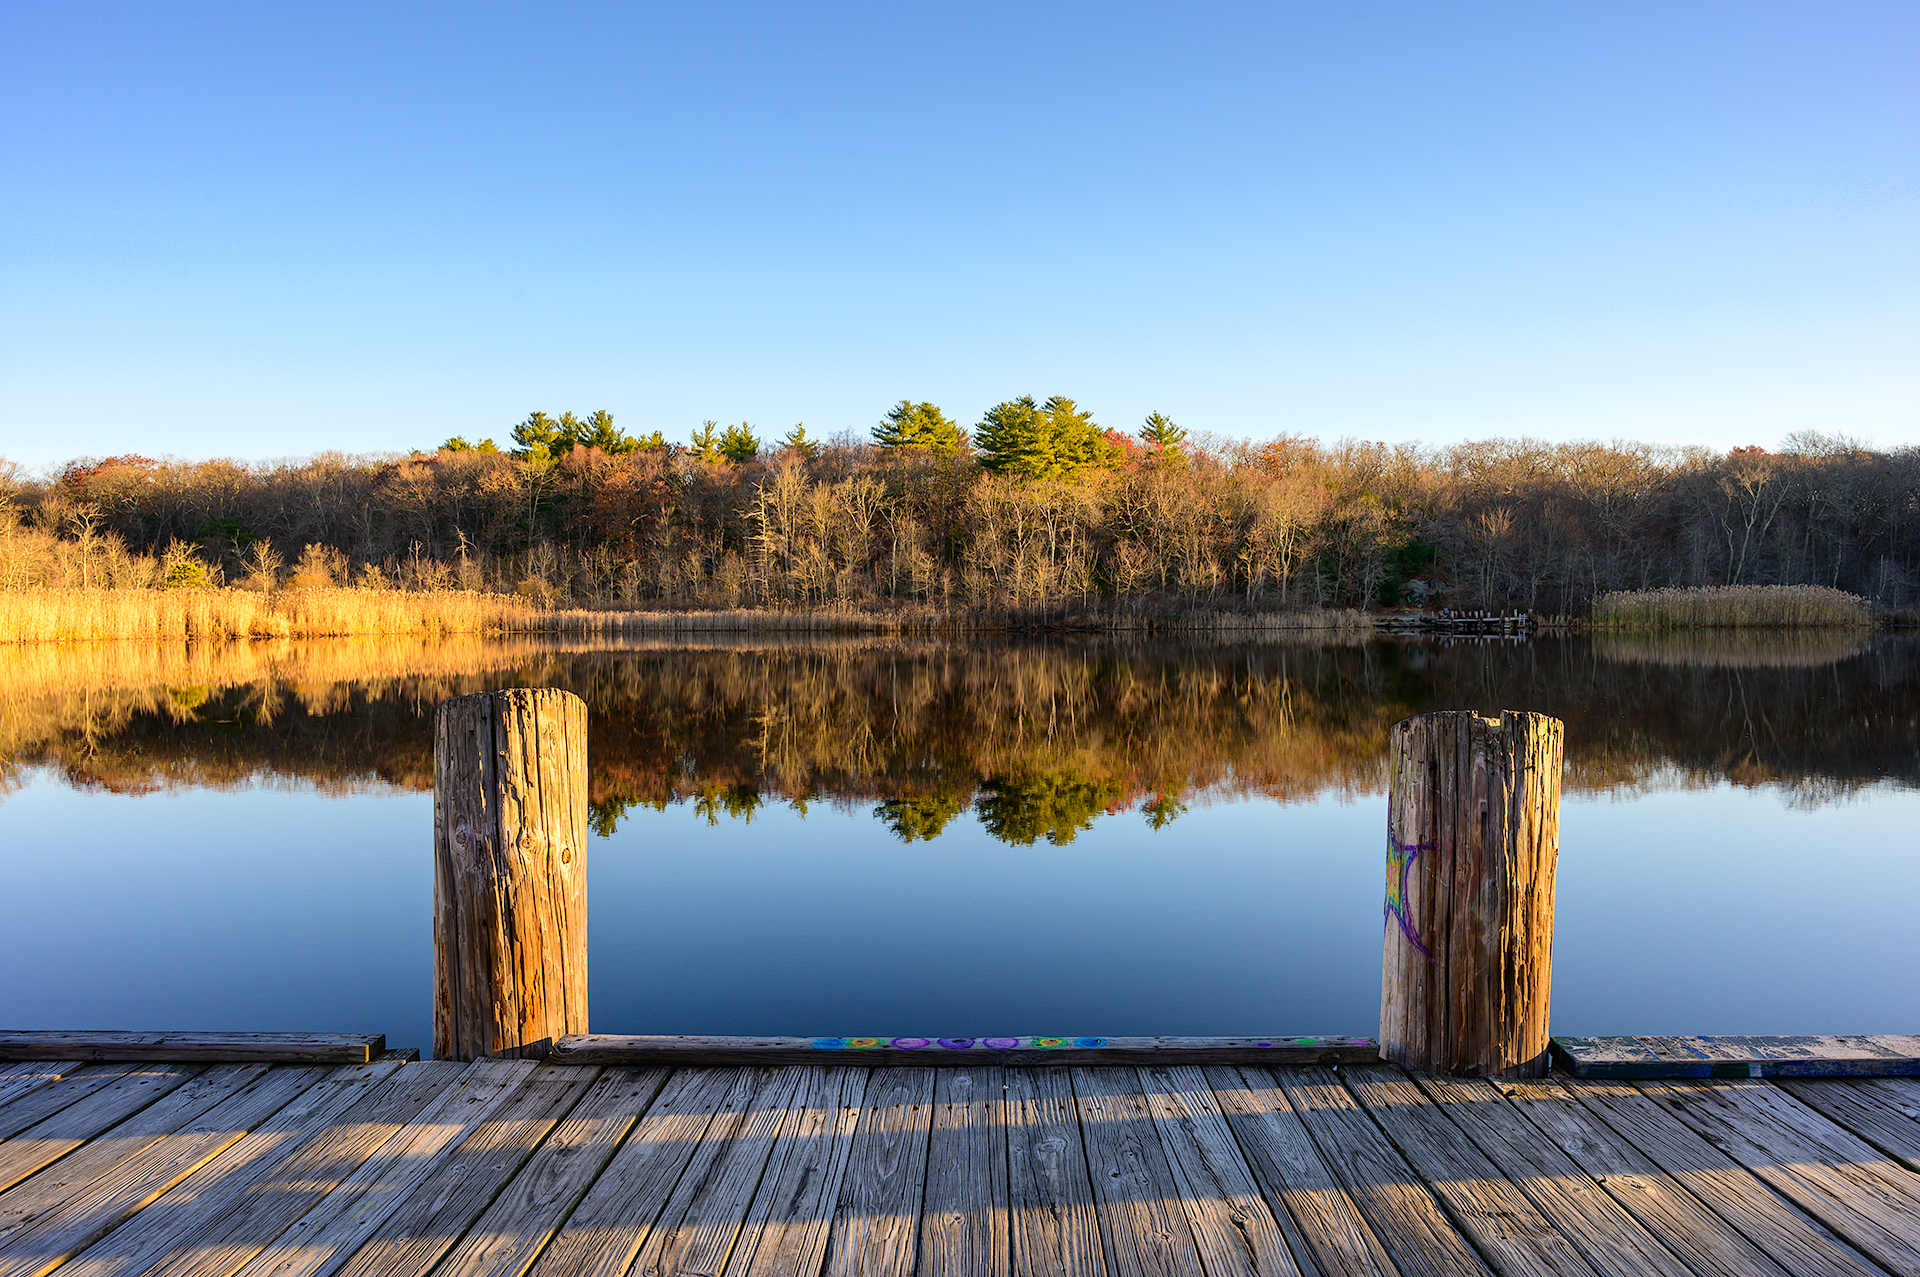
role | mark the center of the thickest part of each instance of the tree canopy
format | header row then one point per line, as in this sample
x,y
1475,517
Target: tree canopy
x,y
738,444
544,438
919,425
1054,440
1163,439
801,442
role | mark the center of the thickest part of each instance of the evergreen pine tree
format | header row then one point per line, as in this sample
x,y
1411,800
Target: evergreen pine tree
x,y
919,425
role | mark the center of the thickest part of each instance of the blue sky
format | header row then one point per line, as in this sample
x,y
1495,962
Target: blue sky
x,y
264,231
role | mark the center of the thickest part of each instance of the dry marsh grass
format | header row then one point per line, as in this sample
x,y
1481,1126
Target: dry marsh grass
x,y
47,615
1733,607
70,615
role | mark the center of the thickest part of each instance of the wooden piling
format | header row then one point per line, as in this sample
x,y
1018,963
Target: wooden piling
x,y
509,873
1473,835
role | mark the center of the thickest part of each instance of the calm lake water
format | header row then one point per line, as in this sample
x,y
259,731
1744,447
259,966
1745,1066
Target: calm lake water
x,y
957,839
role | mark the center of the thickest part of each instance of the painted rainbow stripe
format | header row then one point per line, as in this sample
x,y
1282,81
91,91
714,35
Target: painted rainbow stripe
x,y
1035,1044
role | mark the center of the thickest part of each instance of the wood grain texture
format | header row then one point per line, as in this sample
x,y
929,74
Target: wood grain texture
x,y
1324,1229
1051,1220
1876,1112
963,1222
1793,1239
1514,1236
516,1226
61,1132
1825,1171
787,1225
1473,831
697,1227
1858,1055
28,1076
1612,1240
143,1240
435,1215
38,1105
876,1219
618,1048
1397,1203
1709,1244
1142,1228
226,1238
1236,1234
510,873
320,1241
223,1048
99,1155
607,1228
77,1220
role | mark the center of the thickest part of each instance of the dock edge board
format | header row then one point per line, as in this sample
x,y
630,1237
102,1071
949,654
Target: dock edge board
x,y
1832,1055
226,1048
609,1048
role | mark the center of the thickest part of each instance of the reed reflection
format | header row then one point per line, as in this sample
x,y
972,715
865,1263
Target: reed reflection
x,y
1037,739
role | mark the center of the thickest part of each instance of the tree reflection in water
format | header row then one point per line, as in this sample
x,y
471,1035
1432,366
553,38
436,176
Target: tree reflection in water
x,y
1038,738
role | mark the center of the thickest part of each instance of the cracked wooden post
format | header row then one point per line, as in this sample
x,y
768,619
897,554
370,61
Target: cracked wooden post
x,y
1473,836
509,873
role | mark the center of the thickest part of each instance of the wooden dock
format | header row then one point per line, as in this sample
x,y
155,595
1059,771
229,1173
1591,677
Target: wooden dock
x,y
211,1169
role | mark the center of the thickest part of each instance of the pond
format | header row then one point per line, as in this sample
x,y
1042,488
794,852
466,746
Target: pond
x,y
944,838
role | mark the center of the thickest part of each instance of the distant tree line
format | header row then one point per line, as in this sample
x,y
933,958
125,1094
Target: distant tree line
x,y
1036,505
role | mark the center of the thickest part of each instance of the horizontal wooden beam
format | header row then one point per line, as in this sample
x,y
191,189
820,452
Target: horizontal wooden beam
x,y
613,1048
1833,1055
230,1048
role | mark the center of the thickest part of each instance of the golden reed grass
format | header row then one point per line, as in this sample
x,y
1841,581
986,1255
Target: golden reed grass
x,y
47,615
1733,607
82,615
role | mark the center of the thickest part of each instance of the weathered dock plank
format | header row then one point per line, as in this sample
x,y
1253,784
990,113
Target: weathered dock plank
x,y
1884,1112
1867,1055
614,1048
318,1242
60,1132
876,1221
1795,1240
1826,1172
1141,1226
519,1222
1050,1214
786,1226
98,1156
963,1221
503,1168
696,1228
432,1218
1236,1234
1324,1229
43,1102
65,1222
1516,1238
222,1240
143,1239
28,1076
224,1048
1708,1244
1612,1240
1398,1204
607,1228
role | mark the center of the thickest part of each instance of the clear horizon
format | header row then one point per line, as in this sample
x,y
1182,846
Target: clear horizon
x,y
229,232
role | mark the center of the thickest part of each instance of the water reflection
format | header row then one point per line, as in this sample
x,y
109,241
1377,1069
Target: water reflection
x,y
831,837
1036,739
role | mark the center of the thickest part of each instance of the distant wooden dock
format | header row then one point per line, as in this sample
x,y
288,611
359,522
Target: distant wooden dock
x,y
503,1167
